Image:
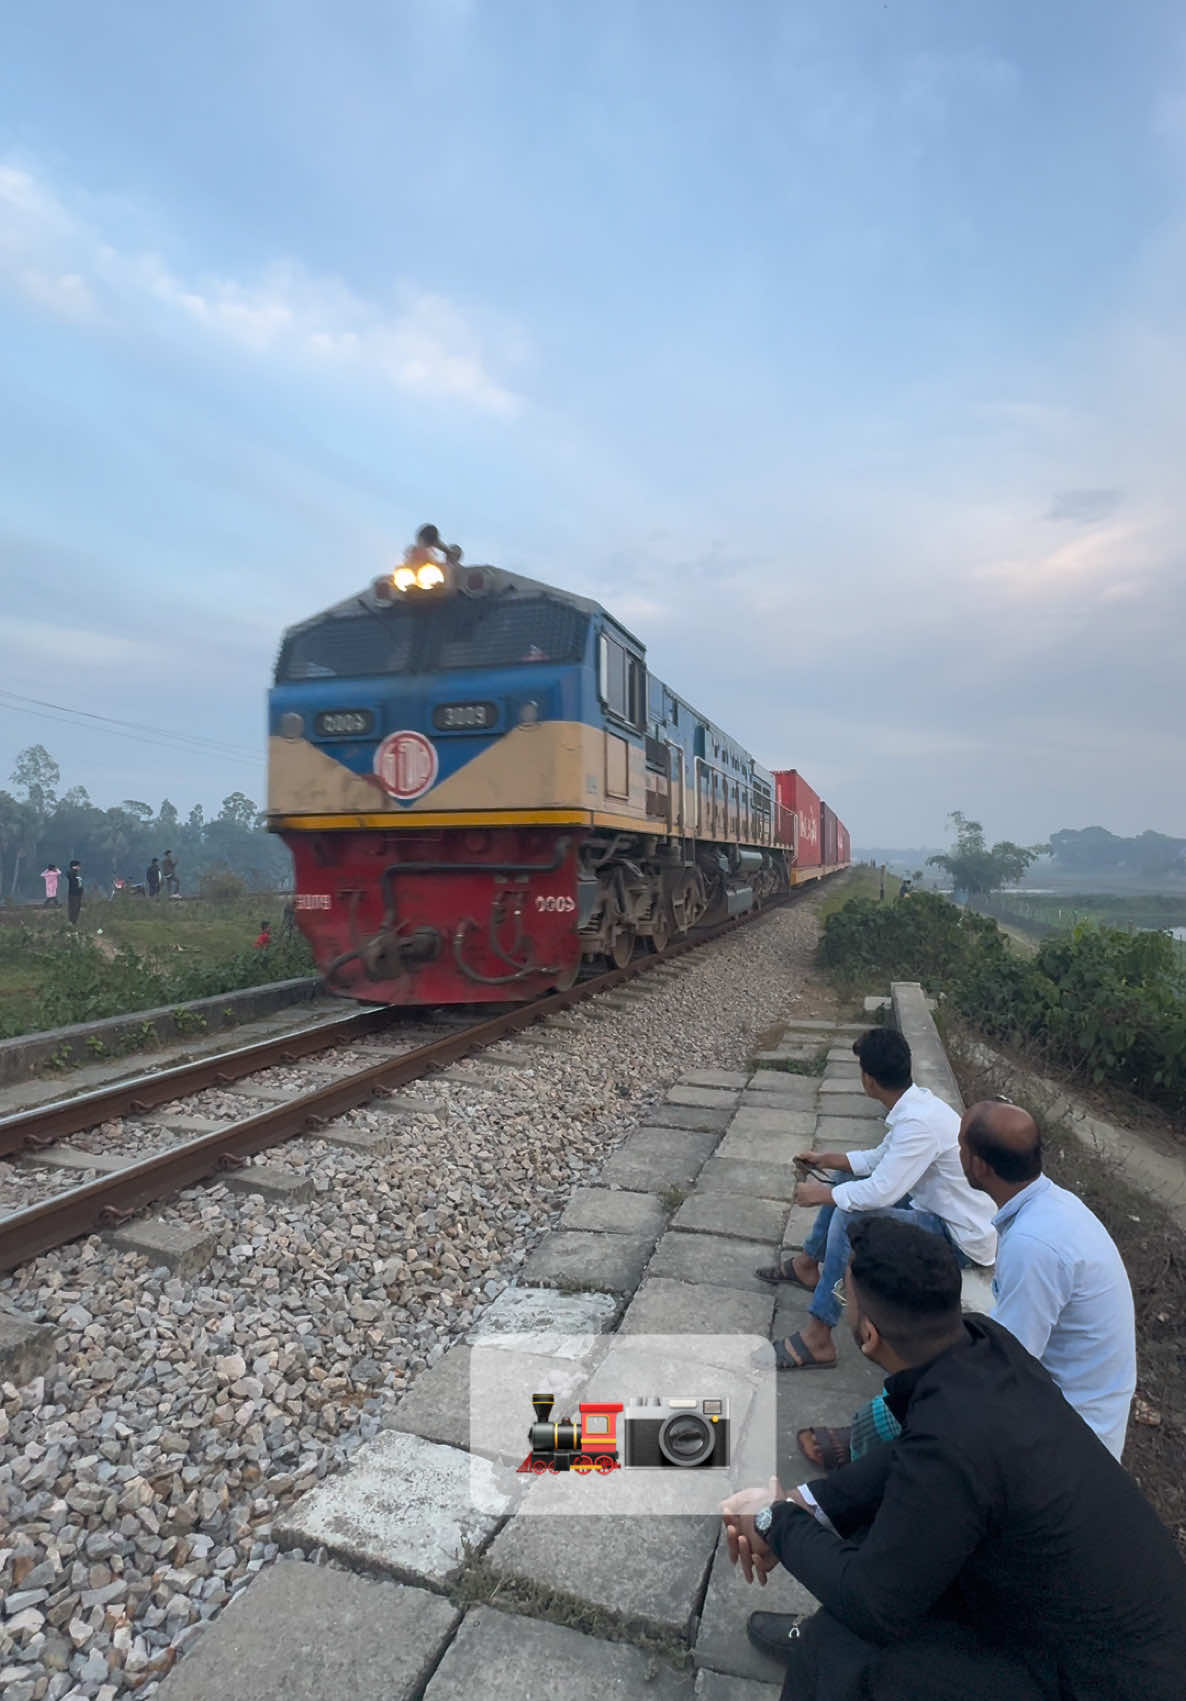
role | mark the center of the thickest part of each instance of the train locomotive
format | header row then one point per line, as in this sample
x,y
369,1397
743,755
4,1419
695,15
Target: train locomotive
x,y
483,787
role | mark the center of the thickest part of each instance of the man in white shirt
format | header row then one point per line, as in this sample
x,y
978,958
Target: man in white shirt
x,y
915,1173
1060,1285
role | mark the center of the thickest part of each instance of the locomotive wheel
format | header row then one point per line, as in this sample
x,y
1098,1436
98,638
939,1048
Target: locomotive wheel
x,y
582,1464
660,931
605,1464
539,1467
622,942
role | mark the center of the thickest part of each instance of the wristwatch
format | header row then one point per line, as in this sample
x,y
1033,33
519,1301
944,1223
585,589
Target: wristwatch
x,y
763,1519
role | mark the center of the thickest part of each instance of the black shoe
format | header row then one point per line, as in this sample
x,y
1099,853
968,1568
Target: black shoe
x,y
774,1632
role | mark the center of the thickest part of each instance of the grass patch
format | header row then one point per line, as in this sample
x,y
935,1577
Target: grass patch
x,y
859,882
671,1198
52,975
572,1284
480,1585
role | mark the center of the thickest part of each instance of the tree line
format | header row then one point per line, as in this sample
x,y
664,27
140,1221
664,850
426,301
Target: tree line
x,y
38,826
1090,849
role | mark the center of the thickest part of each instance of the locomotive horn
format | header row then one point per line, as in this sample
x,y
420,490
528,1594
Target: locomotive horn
x,y
543,1404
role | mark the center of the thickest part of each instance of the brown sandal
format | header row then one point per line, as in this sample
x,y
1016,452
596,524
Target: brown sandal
x,y
795,1354
834,1447
775,1273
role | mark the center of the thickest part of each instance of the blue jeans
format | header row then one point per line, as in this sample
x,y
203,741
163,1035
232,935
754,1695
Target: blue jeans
x,y
828,1245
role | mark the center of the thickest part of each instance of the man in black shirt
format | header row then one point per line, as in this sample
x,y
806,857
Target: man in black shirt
x,y
996,1551
74,891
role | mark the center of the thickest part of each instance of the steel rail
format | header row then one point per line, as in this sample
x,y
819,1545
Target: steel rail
x,y
112,1199
28,1130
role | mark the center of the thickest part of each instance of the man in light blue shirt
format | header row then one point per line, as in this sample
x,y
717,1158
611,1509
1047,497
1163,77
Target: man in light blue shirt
x,y
1060,1285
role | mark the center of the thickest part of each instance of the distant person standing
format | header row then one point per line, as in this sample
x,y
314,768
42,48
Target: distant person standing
x,y
51,874
264,938
169,870
152,878
74,891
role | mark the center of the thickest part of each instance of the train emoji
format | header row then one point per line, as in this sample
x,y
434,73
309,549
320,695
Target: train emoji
x,y
679,1434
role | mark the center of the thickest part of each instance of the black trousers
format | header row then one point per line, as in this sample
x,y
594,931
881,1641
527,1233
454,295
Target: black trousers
x,y
945,1661
74,905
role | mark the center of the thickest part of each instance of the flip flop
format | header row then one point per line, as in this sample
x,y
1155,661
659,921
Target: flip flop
x,y
775,1273
807,1361
833,1445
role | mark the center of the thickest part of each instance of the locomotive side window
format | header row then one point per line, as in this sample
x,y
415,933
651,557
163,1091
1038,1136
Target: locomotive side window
x,y
622,682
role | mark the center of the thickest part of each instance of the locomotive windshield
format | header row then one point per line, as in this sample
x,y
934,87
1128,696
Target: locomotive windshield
x,y
437,637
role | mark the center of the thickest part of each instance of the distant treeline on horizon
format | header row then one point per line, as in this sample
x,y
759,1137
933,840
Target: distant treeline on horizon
x,y
1073,851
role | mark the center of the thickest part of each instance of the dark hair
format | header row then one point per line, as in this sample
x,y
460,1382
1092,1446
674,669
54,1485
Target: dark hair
x,y
263,926
909,1282
76,863
1008,1162
884,1054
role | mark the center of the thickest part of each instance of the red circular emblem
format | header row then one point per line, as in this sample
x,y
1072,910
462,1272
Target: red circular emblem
x,y
407,764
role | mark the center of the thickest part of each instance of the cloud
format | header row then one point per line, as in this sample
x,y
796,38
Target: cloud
x,y
1085,506
69,646
420,344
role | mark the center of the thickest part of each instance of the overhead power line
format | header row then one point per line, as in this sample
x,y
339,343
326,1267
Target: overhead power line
x,y
135,731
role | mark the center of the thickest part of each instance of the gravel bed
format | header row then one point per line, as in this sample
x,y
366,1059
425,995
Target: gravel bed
x,y
28,1184
140,1478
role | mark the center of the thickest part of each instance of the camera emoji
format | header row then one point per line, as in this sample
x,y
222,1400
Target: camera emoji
x,y
678,1434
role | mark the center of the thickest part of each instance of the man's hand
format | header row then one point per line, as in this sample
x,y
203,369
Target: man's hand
x,y
813,1193
746,1546
824,1160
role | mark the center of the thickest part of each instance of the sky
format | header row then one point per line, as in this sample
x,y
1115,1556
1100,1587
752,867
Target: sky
x,y
839,351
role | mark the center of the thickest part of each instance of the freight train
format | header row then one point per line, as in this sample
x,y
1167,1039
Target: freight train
x,y
483,787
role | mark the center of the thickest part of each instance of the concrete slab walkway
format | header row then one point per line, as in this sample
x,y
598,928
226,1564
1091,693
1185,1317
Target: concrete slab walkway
x,y
665,1243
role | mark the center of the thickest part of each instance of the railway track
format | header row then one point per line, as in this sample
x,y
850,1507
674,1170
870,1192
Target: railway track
x,y
112,1199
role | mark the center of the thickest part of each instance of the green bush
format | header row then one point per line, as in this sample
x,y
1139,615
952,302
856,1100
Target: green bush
x,y
1097,1000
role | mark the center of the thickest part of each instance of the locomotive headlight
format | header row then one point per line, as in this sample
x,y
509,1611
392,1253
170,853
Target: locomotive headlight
x,y
430,576
404,578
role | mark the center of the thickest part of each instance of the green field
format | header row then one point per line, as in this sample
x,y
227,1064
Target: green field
x,y
133,954
1060,909
1037,915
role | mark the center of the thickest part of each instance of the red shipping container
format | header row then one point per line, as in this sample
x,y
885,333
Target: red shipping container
x,y
794,794
829,844
844,844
